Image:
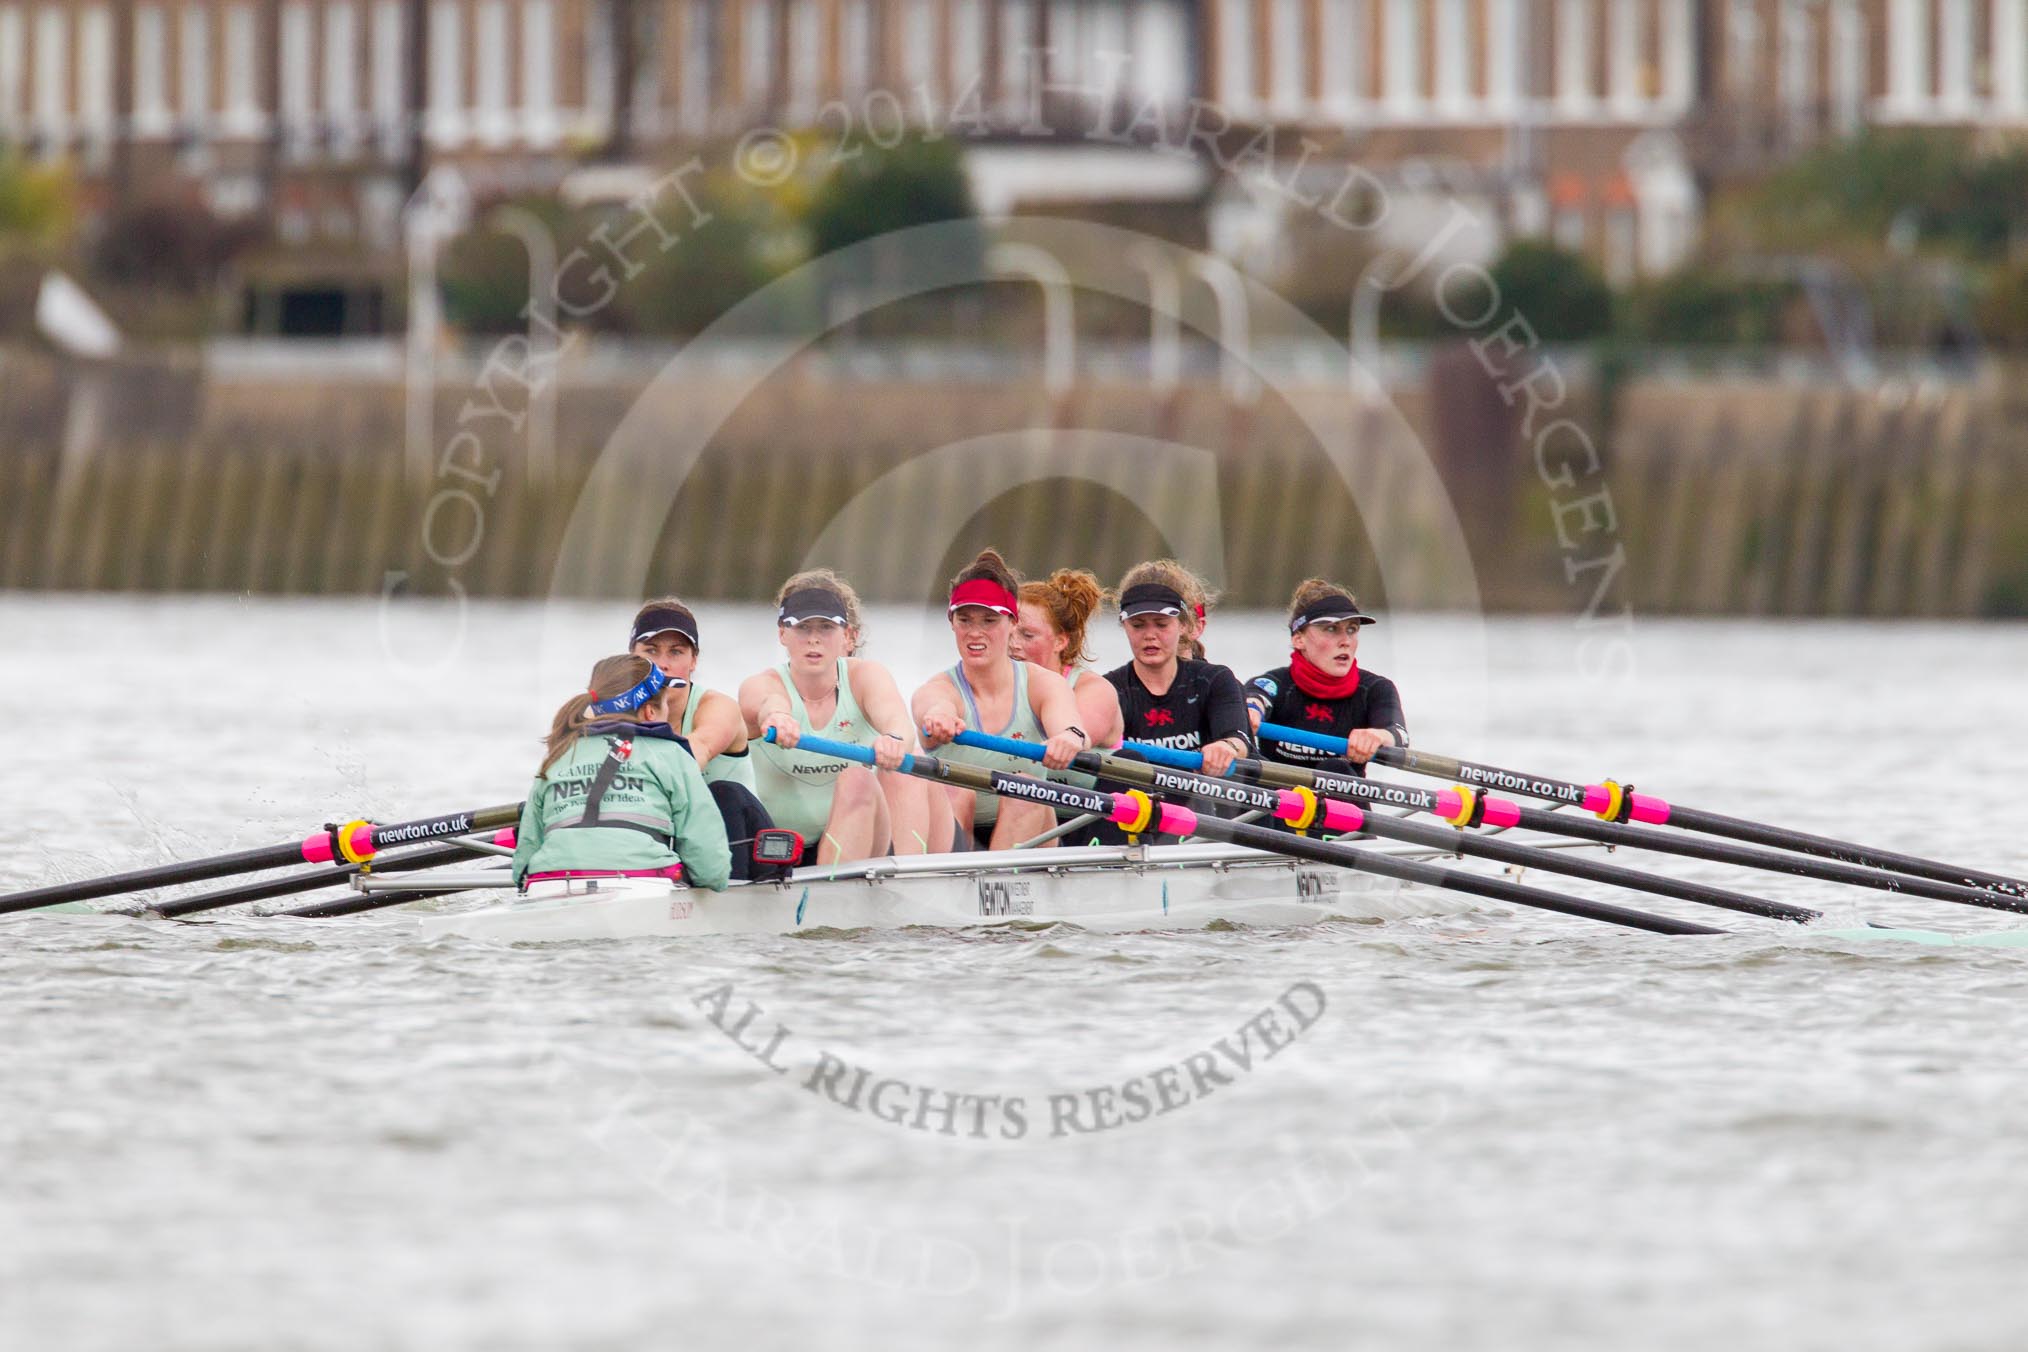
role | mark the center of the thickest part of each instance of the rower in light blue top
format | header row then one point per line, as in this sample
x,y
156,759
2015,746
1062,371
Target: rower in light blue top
x,y
843,812
989,691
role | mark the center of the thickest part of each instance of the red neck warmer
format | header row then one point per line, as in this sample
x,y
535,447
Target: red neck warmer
x,y
1313,680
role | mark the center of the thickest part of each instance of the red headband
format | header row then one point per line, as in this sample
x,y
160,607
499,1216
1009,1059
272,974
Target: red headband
x,y
983,591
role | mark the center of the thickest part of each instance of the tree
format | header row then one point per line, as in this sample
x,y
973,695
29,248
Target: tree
x,y
35,205
1561,295
876,192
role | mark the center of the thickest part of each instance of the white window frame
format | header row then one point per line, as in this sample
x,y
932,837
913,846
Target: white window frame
x,y
94,97
492,111
153,117
52,73
340,91
1017,55
1457,57
1626,53
13,35
1287,92
1235,56
445,119
1504,86
806,56
1161,52
1678,42
193,68
1954,58
1908,92
388,74
756,53
2010,52
1402,44
243,115
1799,59
539,125
1574,30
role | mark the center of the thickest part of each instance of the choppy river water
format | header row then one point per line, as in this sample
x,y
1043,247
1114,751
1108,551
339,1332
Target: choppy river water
x,y
1504,1130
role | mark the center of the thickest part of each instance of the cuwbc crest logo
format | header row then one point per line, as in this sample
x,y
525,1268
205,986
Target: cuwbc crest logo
x,y
1317,713
1160,718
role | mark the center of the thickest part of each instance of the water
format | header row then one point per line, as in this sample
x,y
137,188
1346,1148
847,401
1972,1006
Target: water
x,y
1512,1130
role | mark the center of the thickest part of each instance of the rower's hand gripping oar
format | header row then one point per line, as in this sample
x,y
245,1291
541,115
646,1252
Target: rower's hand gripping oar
x,y
1310,810
1136,812
1617,802
353,843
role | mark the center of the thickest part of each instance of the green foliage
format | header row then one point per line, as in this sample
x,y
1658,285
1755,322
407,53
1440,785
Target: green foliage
x,y
483,274
169,246
1696,306
875,192
35,203
2003,310
1558,292
1931,185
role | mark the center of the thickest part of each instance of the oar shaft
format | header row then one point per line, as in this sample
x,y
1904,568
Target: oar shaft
x,y
430,856
1455,840
1167,818
1657,811
1585,827
1240,794
360,839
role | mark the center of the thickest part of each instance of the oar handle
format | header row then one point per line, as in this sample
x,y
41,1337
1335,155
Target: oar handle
x,y
1155,755
851,751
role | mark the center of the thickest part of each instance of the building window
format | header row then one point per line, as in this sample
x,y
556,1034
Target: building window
x,y
1627,62
1017,54
1347,81
489,71
1235,54
1679,55
1573,55
389,101
1503,55
11,31
1799,60
2010,48
295,78
95,70
1848,64
52,63
242,107
1954,60
967,53
1066,43
151,74
447,69
194,61
1455,55
1404,55
1907,55
341,64
1568,229
1161,52
1286,50
538,71
757,51
806,54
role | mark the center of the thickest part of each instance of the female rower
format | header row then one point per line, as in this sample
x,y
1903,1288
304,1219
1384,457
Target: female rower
x,y
1051,633
843,811
1165,698
665,632
991,690
1323,689
617,795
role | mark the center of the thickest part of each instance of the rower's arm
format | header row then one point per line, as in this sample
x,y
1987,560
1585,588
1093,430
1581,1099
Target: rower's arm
x,y
1384,711
1098,708
718,727
696,825
1054,707
935,707
880,699
761,697
528,835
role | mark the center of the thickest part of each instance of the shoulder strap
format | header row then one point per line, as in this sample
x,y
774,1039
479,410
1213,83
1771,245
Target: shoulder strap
x,y
618,751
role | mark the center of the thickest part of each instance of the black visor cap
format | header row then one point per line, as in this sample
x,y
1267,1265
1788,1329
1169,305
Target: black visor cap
x,y
813,603
1150,598
665,620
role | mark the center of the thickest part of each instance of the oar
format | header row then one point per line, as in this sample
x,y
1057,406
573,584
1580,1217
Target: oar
x,y
1135,810
372,901
1304,805
1617,802
430,856
1460,806
352,843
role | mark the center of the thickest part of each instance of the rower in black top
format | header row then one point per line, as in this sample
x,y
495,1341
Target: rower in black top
x,y
1170,701
1323,689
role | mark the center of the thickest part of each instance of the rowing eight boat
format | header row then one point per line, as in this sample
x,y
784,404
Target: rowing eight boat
x,y
1117,888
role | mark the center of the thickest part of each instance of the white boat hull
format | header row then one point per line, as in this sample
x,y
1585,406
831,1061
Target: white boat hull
x,y
1166,887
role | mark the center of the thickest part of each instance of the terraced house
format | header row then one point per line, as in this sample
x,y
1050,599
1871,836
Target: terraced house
x,y
1600,122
